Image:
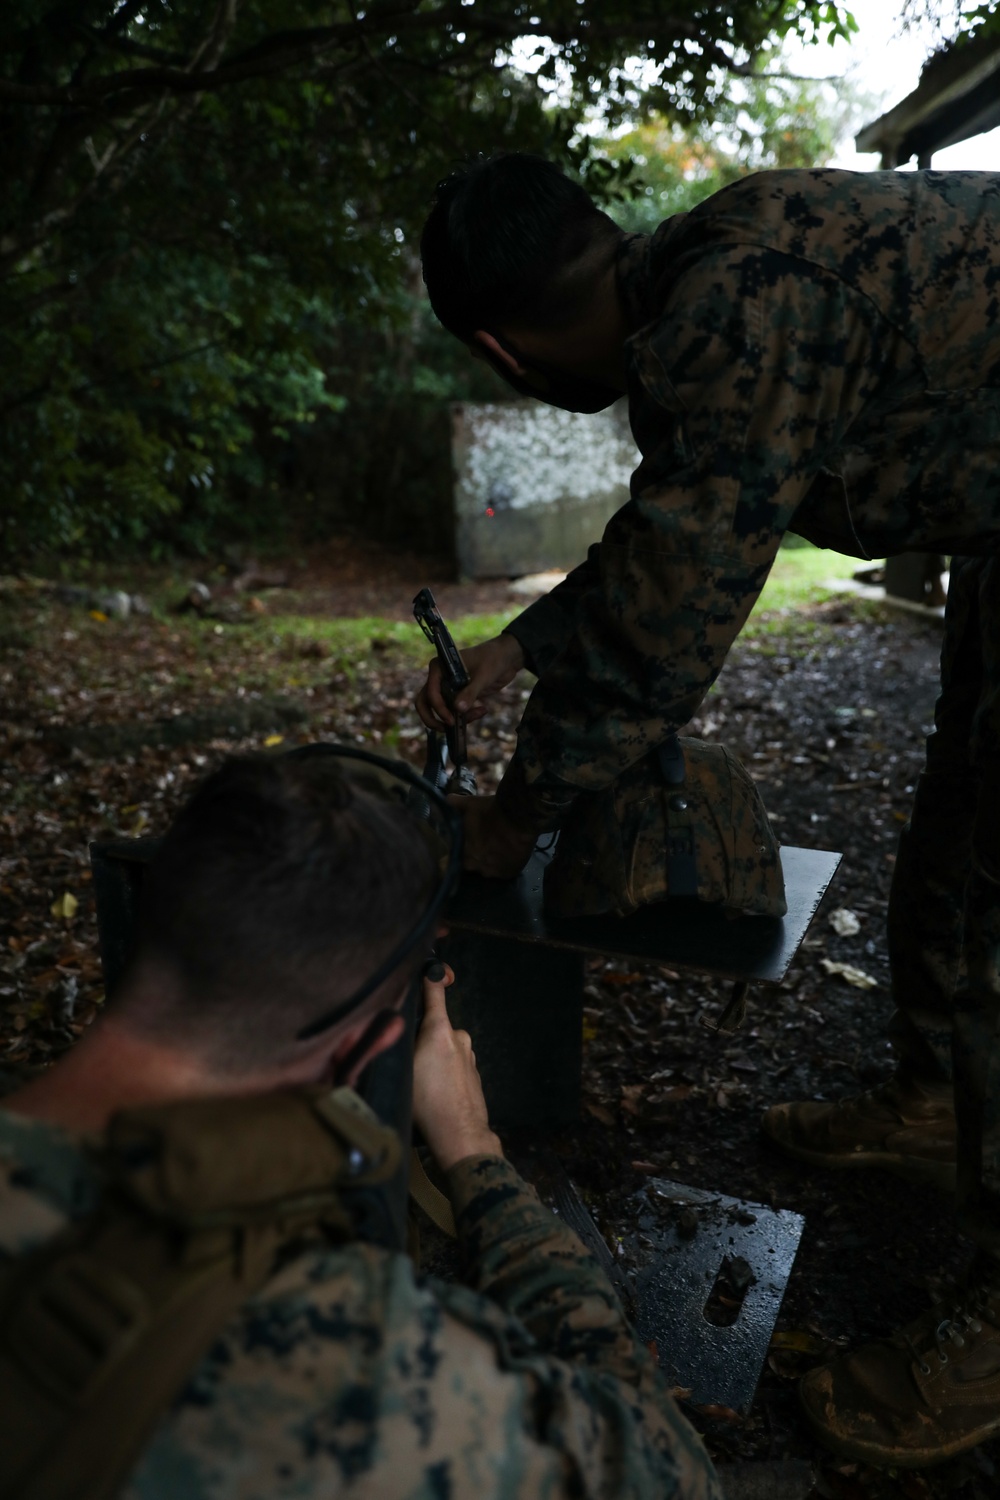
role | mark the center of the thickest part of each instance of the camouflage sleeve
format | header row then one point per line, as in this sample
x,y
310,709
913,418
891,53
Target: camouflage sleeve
x,y
545,628
520,1255
741,394
601,1402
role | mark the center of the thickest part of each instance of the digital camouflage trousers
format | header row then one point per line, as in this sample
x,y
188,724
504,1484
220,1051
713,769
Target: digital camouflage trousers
x,y
944,906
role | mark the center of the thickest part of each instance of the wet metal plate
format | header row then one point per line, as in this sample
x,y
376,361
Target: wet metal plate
x,y
693,1250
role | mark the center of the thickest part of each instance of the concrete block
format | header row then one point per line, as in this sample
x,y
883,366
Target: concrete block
x,y
534,486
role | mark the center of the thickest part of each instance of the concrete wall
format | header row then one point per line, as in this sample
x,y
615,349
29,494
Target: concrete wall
x,y
534,486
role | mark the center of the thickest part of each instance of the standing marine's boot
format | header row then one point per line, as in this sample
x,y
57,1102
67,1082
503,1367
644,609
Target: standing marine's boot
x,y
919,1397
905,1126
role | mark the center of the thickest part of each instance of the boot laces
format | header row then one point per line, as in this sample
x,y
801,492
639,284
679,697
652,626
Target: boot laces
x,y
953,1329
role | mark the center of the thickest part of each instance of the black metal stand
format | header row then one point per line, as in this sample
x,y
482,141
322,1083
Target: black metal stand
x,y
523,1007
519,972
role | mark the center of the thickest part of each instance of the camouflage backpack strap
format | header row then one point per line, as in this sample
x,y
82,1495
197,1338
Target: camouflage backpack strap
x,y
100,1331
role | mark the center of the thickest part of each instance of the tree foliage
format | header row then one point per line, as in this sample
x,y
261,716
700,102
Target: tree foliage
x,y
209,213
764,122
958,20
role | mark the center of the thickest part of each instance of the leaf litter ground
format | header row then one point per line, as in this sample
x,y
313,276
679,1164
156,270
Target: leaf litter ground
x,y
108,724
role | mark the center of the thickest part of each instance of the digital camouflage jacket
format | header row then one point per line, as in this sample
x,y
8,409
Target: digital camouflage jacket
x,y
349,1375
814,351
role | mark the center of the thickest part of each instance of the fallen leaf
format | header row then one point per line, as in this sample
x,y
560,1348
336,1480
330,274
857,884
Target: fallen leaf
x,y
716,1413
631,1098
600,1112
844,922
851,975
785,1365
798,1340
674,1095
65,906
99,615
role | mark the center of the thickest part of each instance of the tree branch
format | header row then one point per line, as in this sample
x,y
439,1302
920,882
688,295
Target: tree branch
x,y
284,50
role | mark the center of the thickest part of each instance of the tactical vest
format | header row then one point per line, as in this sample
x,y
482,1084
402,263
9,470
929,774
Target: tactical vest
x,y
100,1330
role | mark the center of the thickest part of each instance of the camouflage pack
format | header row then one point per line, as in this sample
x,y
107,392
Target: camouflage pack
x,y
204,1199
686,820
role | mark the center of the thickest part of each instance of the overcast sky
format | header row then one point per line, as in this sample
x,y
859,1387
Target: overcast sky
x,y
885,62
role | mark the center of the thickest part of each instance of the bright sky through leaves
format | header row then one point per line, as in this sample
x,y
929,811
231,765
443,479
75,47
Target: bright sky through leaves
x,y
885,61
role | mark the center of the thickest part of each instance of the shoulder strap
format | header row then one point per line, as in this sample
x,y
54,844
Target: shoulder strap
x,y
434,1203
99,1331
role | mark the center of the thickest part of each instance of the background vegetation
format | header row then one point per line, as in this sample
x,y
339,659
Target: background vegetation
x,y
211,321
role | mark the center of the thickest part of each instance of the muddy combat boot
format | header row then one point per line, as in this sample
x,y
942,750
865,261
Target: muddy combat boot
x,y
930,1391
905,1126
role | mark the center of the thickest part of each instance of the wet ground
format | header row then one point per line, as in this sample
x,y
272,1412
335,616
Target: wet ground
x,y
828,707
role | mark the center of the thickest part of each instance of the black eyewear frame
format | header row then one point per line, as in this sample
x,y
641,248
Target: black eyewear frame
x,y
426,802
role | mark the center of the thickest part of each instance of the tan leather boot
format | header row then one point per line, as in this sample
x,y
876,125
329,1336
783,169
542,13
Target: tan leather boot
x,y
907,1127
930,1391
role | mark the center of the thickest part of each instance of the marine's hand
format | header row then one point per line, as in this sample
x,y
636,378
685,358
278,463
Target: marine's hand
x,y
493,844
490,667
448,1103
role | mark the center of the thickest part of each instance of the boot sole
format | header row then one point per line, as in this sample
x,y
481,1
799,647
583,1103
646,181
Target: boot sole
x,y
859,1451
940,1175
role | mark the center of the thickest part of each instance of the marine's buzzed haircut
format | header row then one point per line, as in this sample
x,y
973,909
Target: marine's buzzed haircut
x,y
512,240
279,888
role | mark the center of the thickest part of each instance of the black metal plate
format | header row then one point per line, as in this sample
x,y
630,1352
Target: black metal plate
x,y
675,1275
683,933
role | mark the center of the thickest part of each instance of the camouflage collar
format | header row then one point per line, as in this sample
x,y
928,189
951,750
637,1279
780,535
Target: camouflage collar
x,y
632,272
642,263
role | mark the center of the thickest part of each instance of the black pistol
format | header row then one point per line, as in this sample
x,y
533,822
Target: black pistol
x,y
454,678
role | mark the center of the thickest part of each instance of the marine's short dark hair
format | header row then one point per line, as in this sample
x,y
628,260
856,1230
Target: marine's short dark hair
x,y
502,230
280,886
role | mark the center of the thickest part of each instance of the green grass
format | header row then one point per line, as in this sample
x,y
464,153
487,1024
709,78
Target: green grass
x,y
798,577
795,582
374,635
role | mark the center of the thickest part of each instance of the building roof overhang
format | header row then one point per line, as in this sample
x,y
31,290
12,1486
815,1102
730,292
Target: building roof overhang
x,y
958,96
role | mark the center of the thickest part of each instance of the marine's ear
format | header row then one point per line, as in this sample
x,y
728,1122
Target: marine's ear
x,y
490,348
362,1043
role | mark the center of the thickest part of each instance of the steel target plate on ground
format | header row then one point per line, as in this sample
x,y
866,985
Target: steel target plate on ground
x,y
695,1251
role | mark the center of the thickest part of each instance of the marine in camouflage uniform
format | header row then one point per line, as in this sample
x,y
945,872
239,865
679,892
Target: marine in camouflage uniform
x,y
348,1373
815,352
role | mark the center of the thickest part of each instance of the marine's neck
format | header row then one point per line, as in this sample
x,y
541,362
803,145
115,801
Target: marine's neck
x,y
110,1069
593,348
